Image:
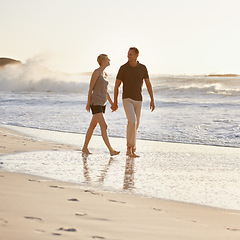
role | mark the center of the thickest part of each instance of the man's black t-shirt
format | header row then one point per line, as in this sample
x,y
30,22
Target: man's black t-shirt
x,y
132,78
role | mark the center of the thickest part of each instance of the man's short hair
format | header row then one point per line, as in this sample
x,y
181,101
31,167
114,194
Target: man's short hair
x,y
135,50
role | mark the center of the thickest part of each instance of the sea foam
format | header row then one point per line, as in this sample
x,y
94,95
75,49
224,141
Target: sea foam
x,y
34,77
37,78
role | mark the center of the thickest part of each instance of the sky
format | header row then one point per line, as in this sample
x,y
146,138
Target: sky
x,y
173,36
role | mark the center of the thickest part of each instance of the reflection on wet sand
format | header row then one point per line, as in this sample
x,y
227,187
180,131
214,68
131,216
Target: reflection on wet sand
x,y
85,168
103,171
128,183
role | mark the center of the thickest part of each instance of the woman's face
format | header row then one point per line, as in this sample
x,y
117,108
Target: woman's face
x,y
106,61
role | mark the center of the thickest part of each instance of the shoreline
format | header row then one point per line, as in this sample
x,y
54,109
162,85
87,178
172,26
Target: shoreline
x,y
41,208
11,128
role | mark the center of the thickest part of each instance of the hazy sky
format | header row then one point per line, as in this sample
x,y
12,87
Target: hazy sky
x,y
173,36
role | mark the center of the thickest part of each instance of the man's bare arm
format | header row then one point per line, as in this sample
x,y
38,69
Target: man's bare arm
x,y
116,92
150,92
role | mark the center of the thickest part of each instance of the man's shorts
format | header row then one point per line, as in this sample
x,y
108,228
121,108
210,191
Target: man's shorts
x,y
98,109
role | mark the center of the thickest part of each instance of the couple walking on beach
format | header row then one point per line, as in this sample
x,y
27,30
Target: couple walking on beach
x,y
131,75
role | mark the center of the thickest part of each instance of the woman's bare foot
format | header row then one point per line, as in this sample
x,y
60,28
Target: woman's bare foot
x,y
113,153
86,151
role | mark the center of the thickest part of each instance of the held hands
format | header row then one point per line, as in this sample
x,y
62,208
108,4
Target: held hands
x,y
114,107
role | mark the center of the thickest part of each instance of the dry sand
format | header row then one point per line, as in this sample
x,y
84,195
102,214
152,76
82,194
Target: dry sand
x,y
14,142
34,208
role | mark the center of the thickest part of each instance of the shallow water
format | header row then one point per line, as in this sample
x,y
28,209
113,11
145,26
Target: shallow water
x,y
198,174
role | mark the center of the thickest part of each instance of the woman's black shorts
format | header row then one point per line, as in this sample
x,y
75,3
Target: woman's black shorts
x,y
98,109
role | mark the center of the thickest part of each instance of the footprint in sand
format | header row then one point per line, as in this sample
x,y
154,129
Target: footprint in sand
x,y
53,186
115,201
67,229
33,180
34,218
187,220
233,229
73,199
157,209
98,237
39,231
80,214
3,222
92,192
93,218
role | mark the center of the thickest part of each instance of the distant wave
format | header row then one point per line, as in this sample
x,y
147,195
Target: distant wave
x,y
197,85
34,77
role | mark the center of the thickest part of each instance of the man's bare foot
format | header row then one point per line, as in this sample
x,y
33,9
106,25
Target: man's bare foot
x,y
135,155
113,153
86,151
129,152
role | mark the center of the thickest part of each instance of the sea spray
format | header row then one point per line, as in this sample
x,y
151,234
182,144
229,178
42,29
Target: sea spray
x,y
33,77
189,109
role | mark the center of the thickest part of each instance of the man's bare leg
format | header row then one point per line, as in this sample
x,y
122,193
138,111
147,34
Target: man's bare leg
x,y
129,151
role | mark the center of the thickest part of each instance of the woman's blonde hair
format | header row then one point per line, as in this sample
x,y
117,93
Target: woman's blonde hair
x,y
100,58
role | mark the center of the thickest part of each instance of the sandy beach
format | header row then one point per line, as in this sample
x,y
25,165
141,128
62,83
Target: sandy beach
x,y
39,208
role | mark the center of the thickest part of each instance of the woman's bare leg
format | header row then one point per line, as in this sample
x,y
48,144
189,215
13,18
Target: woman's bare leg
x,y
89,134
103,126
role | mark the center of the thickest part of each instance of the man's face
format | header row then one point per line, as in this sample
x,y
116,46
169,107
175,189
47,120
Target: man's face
x,y
132,56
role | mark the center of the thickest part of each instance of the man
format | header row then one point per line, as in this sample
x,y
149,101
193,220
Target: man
x,y
132,75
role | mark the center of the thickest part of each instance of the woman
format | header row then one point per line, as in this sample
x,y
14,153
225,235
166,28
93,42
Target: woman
x,y
97,99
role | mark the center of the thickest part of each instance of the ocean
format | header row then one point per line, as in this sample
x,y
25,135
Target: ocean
x,y
189,109
189,145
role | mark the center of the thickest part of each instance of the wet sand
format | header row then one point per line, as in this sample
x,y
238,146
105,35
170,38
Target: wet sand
x,y
39,208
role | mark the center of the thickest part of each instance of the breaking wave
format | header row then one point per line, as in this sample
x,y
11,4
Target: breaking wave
x,y
34,77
